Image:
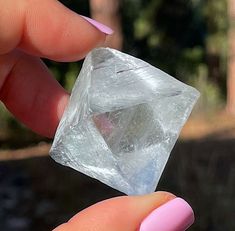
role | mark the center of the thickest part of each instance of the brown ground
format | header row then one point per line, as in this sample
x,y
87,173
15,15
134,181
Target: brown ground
x,y
218,125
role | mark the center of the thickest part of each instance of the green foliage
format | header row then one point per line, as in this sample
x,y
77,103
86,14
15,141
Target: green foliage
x,y
165,31
211,97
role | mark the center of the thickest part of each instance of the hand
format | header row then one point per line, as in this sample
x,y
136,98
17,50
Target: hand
x,y
30,29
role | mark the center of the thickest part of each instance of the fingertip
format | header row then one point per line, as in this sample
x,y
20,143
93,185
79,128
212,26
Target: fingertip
x,y
120,213
48,29
175,215
55,32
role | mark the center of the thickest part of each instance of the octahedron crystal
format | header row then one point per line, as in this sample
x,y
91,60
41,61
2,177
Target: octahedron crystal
x,y
122,121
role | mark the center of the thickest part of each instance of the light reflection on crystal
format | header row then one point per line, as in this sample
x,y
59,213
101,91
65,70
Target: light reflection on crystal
x,y
128,130
122,121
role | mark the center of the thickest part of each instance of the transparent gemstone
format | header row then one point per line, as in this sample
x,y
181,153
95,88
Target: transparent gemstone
x,y
122,121
128,130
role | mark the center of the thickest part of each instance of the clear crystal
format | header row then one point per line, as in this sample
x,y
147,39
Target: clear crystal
x,y
122,121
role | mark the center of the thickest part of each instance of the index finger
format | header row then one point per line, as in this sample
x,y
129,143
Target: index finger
x,y
46,29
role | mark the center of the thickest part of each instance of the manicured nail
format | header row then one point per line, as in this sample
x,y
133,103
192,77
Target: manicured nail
x,y
176,215
99,26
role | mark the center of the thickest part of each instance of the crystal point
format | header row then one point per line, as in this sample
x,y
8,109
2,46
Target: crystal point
x,y
122,121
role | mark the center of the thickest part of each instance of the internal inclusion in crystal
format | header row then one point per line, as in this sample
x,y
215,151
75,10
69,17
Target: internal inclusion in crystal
x,y
130,129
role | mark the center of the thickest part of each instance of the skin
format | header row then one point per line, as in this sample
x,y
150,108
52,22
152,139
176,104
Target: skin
x,y
30,29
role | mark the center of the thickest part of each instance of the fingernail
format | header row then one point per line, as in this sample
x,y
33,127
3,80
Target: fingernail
x,y
99,26
176,215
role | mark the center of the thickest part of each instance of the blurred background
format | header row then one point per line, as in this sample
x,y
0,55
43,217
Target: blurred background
x,y
193,40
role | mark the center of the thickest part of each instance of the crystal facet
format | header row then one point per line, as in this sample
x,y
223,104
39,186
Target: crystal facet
x,y
122,121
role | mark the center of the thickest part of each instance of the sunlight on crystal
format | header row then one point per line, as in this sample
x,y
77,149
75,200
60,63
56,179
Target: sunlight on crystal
x,y
122,121
130,129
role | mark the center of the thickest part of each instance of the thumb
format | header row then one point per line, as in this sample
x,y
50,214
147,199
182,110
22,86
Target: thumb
x,y
127,214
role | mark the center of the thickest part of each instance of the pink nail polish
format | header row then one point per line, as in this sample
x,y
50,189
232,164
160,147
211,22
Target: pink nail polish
x,y
176,215
99,26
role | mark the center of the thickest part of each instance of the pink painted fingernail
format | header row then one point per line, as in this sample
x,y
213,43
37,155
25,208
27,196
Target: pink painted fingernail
x,y
176,215
99,26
